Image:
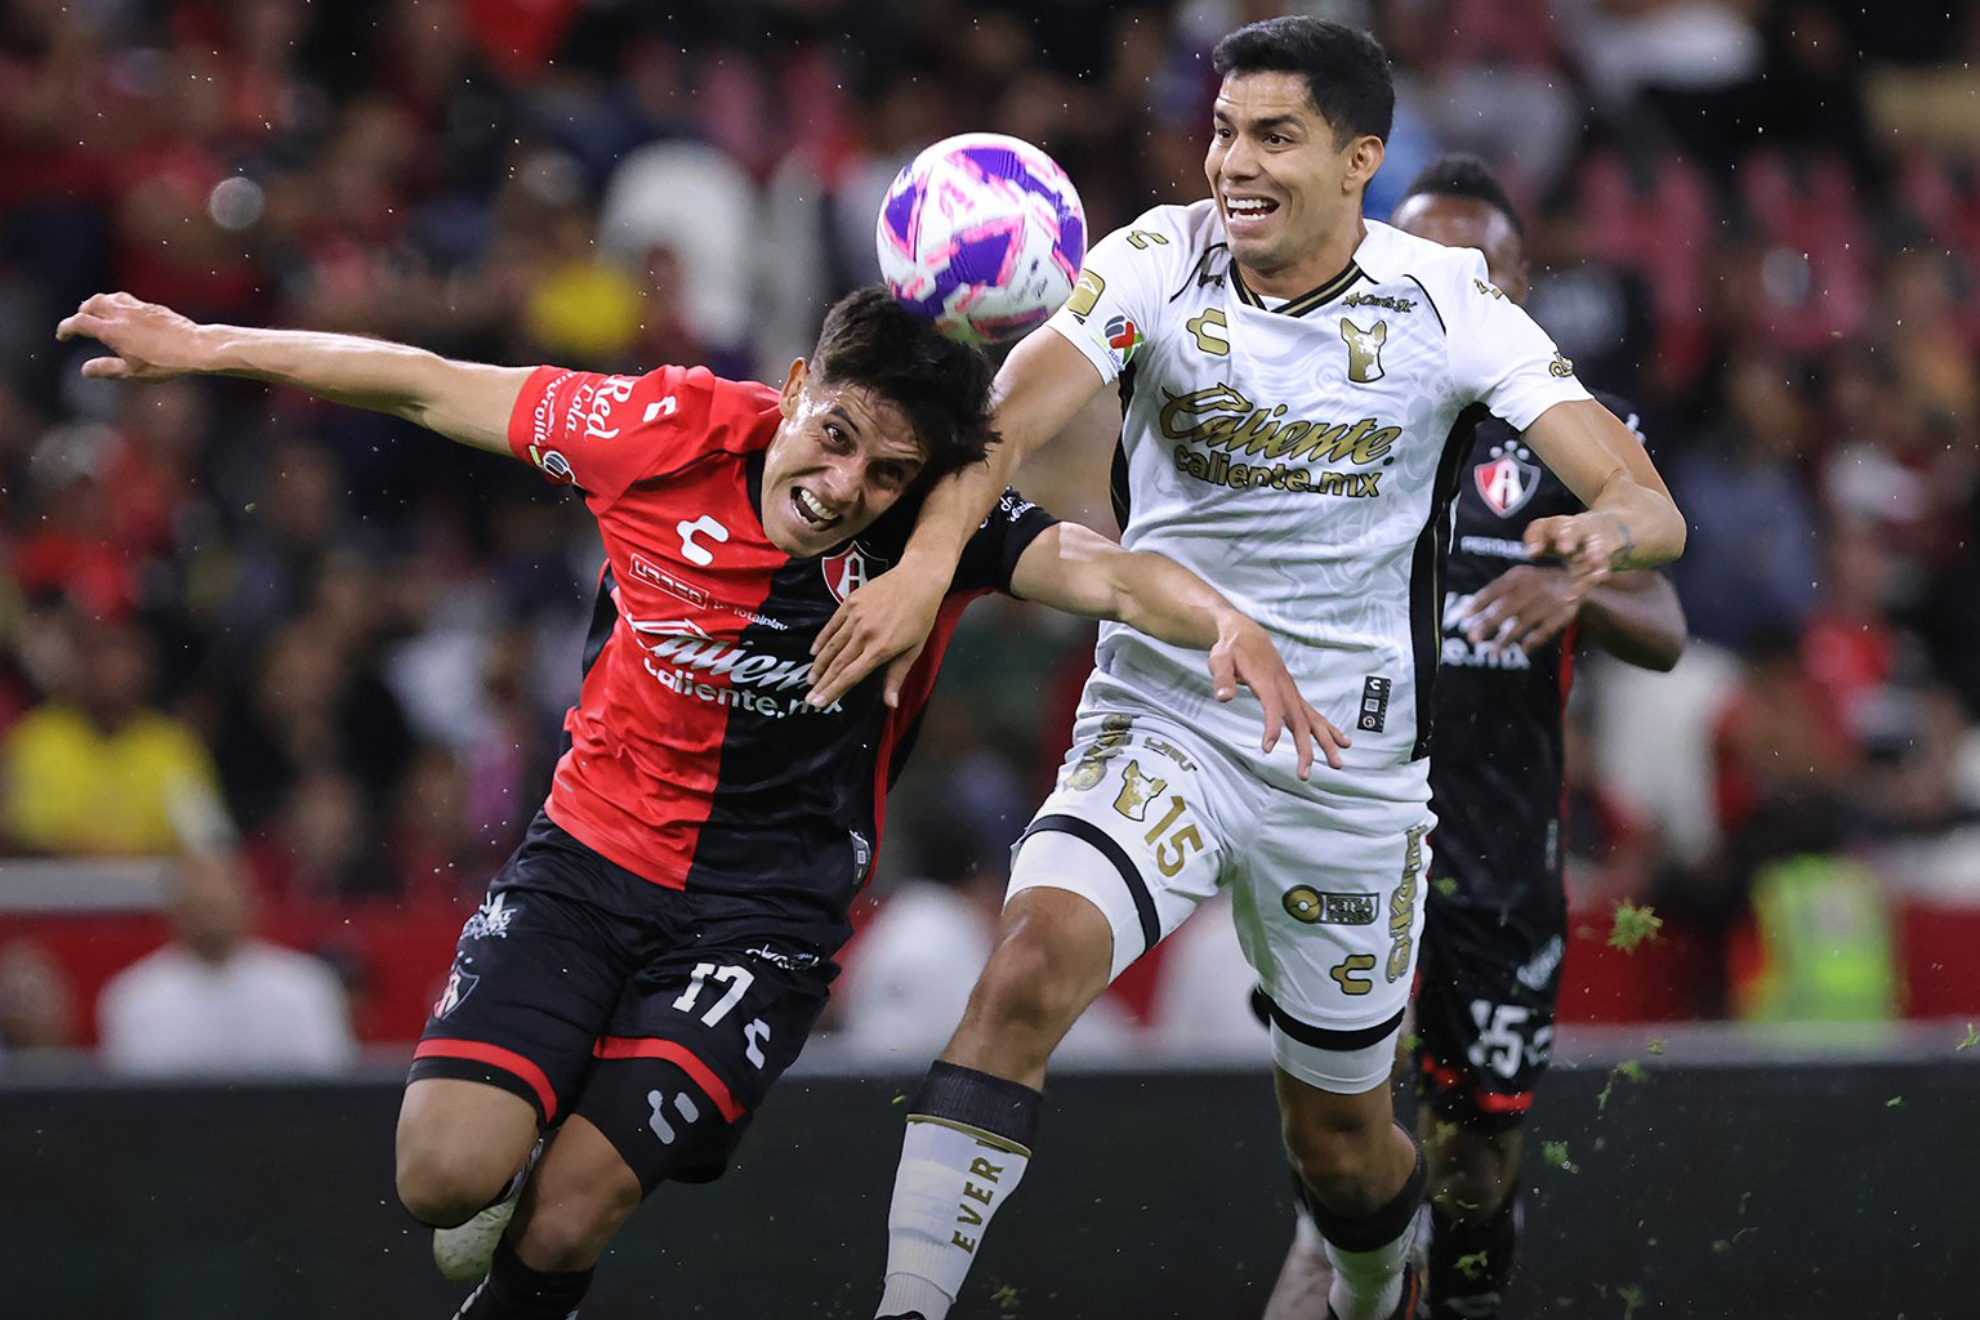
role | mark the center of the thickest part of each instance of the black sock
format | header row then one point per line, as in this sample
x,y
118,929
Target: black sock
x,y
1470,1263
514,1291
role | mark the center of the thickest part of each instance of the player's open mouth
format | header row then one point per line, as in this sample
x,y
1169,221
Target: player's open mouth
x,y
1245,212
810,510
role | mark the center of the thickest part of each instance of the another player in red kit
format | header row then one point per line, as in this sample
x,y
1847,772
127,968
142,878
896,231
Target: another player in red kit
x,y
655,953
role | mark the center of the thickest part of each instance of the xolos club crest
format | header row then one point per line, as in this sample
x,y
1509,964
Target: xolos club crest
x,y
1507,481
850,569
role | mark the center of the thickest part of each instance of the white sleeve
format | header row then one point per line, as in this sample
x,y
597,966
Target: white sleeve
x,y
1500,357
1122,288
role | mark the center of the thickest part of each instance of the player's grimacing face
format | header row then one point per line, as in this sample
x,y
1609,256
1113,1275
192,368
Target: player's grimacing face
x,y
1467,222
842,456
1284,187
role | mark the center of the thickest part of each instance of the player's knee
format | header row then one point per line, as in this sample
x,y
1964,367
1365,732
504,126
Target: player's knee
x,y
1467,1176
570,1229
1338,1155
1037,982
444,1187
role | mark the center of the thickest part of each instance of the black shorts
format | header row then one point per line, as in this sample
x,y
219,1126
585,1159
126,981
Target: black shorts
x,y
1487,984
660,1015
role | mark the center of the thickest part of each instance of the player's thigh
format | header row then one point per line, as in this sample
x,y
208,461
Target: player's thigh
x,y
692,1049
537,974
1329,909
457,1142
1142,824
580,1194
1485,1009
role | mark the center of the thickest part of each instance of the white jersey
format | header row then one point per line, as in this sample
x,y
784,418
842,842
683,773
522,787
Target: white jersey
x,y
1301,456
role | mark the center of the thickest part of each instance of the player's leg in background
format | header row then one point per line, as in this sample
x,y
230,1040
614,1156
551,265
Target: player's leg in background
x,y
1474,1216
1116,858
1305,1278
579,1195
1484,1024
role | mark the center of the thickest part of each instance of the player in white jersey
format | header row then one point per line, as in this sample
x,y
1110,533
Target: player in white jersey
x,y
1300,384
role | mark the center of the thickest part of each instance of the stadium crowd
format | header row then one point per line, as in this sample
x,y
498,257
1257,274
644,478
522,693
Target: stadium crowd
x,y
236,620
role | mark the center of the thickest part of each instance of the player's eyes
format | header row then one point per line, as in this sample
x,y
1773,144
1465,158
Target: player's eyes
x,y
1221,133
835,438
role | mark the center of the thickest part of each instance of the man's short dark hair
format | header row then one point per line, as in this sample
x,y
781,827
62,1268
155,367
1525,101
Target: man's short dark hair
x,y
1346,70
872,341
1459,174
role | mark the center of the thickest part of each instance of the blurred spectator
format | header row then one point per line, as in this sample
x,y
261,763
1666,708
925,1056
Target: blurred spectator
x,y
97,771
1752,561
909,975
218,1000
37,1003
1202,1002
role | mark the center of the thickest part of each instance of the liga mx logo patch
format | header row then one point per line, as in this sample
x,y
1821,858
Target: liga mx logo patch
x,y
849,570
1507,481
1124,337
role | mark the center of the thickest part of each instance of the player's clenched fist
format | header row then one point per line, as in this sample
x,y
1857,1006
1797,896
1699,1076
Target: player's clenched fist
x,y
1591,545
149,342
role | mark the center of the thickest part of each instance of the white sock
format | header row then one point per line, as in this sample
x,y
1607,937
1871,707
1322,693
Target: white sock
x,y
1368,1285
951,1180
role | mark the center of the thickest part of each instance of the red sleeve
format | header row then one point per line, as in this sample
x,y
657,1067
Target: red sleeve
x,y
603,433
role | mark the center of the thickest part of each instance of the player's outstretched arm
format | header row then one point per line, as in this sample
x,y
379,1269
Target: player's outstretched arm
x,y
1075,569
1042,386
1631,521
463,401
1634,615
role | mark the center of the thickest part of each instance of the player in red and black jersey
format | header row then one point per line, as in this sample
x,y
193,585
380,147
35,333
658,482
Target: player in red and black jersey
x,y
1488,978
1496,918
655,953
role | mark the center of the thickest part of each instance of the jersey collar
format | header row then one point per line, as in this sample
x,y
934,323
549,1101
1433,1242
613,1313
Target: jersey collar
x,y
1306,302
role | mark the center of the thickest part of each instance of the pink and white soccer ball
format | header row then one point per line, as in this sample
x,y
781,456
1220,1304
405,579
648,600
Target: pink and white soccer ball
x,y
983,234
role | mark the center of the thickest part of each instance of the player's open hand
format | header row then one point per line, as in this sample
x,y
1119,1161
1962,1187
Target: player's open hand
x,y
148,342
1244,654
886,620
1527,606
1589,545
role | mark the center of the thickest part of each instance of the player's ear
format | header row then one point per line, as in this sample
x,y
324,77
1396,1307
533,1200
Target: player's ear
x,y
1365,155
793,388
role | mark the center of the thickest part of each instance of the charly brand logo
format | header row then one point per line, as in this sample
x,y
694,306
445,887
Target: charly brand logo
x,y
1398,305
684,1107
1222,418
1507,480
691,548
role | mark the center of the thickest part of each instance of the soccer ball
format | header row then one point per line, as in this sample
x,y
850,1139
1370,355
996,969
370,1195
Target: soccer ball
x,y
983,234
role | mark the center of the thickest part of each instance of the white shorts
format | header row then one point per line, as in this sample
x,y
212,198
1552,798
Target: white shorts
x,y
1327,889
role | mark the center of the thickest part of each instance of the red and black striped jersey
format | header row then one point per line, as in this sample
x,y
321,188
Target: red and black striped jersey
x,y
1496,771
693,759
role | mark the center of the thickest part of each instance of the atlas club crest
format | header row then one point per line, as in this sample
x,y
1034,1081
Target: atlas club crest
x,y
850,569
1507,481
